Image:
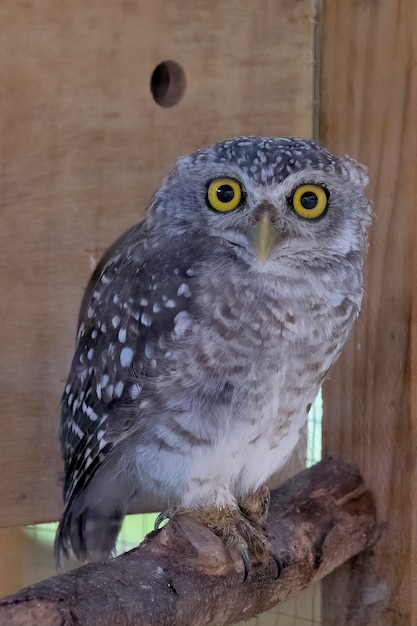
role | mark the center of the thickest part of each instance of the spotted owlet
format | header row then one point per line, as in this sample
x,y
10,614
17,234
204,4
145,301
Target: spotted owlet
x,y
204,335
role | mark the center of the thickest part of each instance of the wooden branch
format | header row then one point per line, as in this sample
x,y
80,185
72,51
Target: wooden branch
x,y
183,575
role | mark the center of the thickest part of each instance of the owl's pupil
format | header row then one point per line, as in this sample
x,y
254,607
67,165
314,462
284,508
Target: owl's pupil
x,y
225,193
309,200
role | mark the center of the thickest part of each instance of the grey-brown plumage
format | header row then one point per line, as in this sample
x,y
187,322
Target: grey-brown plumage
x,y
205,333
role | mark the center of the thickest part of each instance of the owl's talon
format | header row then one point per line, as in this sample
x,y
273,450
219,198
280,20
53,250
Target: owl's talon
x,y
255,505
246,562
281,564
164,515
158,521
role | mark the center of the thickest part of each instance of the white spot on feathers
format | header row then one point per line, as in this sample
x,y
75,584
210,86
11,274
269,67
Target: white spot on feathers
x,y
135,391
88,410
77,430
109,391
126,356
146,319
182,322
184,290
118,390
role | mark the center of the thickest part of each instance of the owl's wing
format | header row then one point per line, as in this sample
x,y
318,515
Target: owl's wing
x,y
132,299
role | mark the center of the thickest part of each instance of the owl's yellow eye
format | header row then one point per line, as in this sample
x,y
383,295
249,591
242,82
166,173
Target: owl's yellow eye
x,y
224,194
309,201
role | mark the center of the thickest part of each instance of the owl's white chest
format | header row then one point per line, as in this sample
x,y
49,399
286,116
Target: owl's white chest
x,y
257,444
240,381
245,460
285,351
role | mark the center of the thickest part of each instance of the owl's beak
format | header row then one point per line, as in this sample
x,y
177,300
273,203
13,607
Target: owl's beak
x,y
266,236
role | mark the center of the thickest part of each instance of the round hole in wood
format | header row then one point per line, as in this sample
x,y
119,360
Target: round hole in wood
x,y
168,83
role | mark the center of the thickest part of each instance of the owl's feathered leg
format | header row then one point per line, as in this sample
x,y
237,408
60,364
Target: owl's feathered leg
x,y
240,527
255,505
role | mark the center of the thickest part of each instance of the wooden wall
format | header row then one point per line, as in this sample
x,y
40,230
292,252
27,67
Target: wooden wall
x,y
83,145
368,109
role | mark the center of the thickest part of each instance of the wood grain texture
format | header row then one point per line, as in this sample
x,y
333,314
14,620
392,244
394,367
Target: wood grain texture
x,y
183,576
83,146
368,107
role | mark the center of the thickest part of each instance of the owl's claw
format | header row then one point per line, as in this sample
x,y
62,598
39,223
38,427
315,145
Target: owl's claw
x,y
281,564
246,562
198,514
164,515
240,528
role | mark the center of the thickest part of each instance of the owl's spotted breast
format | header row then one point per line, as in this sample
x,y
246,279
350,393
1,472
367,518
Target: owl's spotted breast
x,y
237,385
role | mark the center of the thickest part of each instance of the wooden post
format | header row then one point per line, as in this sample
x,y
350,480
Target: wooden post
x,y
368,110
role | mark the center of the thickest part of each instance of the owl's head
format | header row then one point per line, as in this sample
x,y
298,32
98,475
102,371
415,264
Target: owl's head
x,y
268,198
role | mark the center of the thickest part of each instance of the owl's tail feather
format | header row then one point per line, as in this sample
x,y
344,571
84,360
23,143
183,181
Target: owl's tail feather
x,y
90,533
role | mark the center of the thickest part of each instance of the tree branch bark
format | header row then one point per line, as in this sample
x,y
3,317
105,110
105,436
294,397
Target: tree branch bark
x,y
183,576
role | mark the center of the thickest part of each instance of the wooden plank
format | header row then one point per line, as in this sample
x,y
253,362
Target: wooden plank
x,y
84,145
413,382
368,104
